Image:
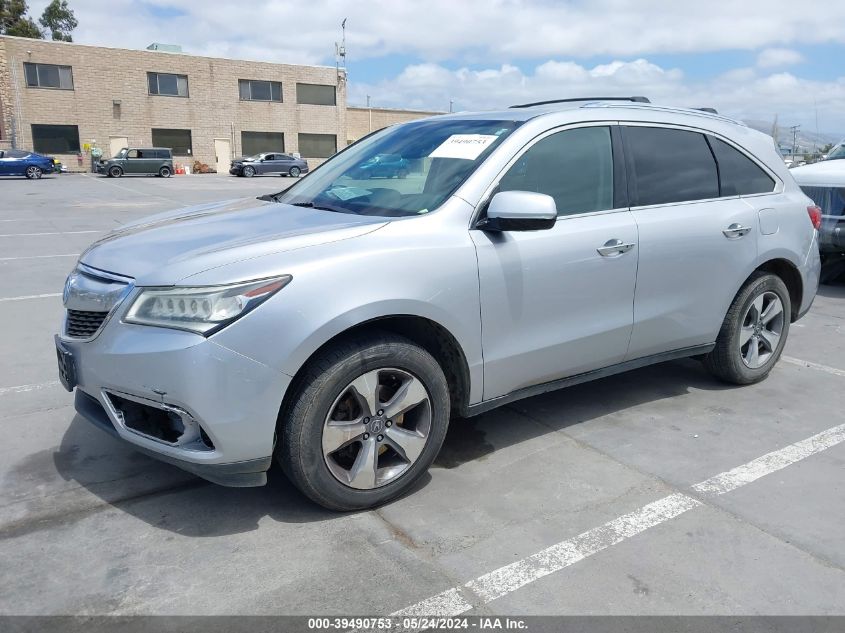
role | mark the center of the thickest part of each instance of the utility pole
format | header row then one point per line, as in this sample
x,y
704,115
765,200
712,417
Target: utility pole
x,y
370,113
451,101
794,129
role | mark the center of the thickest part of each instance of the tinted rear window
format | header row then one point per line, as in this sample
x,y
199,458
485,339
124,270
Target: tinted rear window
x,y
830,199
739,175
671,165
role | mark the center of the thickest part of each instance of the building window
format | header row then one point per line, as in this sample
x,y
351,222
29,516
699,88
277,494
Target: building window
x,y
257,142
315,94
48,76
179,141
317,145
167,84
55,139
255,90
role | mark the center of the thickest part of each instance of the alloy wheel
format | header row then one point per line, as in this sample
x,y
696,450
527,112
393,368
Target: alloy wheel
x,y
376,428
761,330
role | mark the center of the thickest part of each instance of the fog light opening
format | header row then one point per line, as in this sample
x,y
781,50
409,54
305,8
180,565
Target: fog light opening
x,y
165,423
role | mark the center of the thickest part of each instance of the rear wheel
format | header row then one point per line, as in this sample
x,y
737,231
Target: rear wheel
x,y
249,172
367,420
164,172
115,172
294,172
33,172
753,333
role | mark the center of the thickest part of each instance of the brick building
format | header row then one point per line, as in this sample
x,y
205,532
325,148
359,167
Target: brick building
x,y
59,98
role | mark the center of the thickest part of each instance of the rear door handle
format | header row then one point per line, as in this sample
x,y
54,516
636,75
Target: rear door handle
x,y
614,248
736,230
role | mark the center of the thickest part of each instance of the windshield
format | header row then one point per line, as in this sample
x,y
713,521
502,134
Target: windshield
x,y
255,157
837,152
122,153
400,171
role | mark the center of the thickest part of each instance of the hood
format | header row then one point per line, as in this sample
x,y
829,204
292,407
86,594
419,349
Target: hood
x,y
165,248
826,173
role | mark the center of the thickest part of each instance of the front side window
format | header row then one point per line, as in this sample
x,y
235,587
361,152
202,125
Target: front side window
x,y
671,165
837,152
55,139
179,141
255,90
316,94
48,76
738,174
429,160
575,167
167,84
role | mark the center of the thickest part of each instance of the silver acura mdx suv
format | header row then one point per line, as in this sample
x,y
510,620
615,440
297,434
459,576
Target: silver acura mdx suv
x,y
337,326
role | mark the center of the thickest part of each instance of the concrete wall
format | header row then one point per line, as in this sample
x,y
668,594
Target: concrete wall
x,y
362,121
213,109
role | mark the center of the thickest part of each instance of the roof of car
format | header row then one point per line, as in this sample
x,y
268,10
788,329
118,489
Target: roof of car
x,y
614,109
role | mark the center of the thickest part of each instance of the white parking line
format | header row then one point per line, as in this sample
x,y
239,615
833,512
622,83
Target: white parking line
x,y
771,462
25,388
23,298
504,580
48,233
811,365
10,259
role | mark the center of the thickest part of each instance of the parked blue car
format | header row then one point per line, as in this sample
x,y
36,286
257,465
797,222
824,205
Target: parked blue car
x,y
18,162
384,165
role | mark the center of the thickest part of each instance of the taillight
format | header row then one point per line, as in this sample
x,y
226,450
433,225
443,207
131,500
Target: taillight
x,y
815,216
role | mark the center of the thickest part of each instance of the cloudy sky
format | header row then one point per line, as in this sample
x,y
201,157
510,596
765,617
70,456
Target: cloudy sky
x,y
751,59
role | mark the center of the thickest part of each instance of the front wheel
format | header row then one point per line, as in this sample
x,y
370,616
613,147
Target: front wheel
x,y
33,172
367,420
249,172
115,172
753,333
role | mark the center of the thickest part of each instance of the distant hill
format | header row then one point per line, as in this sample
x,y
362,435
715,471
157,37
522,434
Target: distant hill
x,y
806,140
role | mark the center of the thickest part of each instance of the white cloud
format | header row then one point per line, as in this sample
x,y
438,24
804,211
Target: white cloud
x,y
742,93
496,31
778,58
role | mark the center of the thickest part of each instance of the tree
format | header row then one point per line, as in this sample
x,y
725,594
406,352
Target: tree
x,y
14,20
59,21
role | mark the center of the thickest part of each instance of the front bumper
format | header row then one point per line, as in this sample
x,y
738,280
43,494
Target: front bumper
x,y
235,171
234,399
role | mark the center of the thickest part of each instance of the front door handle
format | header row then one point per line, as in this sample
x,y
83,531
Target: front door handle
x,y
614,248
735,231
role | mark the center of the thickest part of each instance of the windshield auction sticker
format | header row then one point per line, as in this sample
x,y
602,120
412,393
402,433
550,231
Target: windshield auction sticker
x,y
466,146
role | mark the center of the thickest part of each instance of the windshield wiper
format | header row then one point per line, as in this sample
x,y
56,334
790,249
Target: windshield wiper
x,y
311,205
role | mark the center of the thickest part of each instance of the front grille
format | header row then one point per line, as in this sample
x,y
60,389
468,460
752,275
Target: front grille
x,y
81,324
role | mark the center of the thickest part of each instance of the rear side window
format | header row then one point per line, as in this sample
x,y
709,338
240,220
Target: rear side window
x,y
575,167
671,165
738,174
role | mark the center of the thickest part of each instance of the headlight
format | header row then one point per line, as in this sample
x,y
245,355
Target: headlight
x,y
203,310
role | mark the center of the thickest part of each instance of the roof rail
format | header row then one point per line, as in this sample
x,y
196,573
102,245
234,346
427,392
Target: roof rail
x,y
539,103
710,110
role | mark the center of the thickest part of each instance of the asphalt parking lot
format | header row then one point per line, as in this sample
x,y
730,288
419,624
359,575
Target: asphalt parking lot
x,y
655,492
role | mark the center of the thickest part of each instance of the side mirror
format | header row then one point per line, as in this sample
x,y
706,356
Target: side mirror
x,y
520,211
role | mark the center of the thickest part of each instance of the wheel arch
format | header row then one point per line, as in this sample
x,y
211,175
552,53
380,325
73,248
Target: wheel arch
x,y
436,339
790,275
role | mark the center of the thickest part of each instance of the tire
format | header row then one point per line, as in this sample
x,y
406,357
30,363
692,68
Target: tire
x,y
325,389
736,362
115,172
248,171
832,269
33,172
403,173
294,172
165,172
